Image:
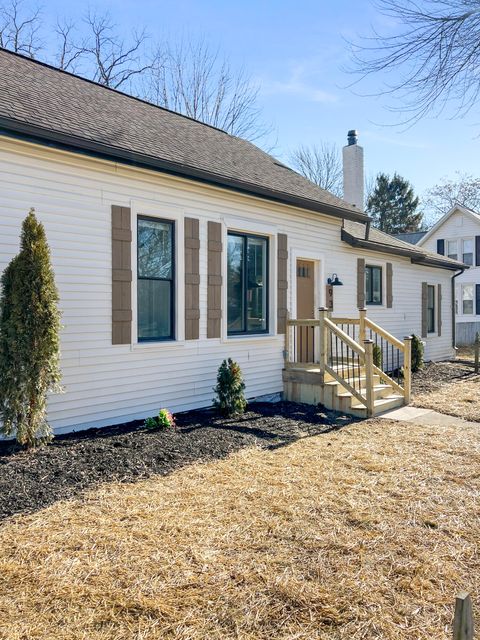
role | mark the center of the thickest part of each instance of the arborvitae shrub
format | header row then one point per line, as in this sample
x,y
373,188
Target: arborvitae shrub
x,y
230,398
29,338
417,353
377,356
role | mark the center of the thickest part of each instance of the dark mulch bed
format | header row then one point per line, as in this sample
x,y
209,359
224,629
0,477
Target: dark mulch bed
x,y
127,452
435,375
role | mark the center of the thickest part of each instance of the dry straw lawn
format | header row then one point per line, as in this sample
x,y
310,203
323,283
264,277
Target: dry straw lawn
x,y
368,532
460,399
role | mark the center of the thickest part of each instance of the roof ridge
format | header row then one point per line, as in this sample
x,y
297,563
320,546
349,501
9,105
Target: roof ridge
x,y
117,91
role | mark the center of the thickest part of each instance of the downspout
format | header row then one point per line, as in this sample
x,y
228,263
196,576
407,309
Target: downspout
x,y
367,230
454,323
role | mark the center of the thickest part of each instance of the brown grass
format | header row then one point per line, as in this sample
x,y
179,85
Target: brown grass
x,y
461,399
365,533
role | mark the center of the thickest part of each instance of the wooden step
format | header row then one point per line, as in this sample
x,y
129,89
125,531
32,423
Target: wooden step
x,y
379,391
382,404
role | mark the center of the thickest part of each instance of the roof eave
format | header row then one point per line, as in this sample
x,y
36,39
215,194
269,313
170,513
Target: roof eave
x,y
39,135
415,258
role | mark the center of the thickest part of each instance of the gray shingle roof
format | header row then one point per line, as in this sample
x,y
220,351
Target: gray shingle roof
x,y
412,237
48,104
382,241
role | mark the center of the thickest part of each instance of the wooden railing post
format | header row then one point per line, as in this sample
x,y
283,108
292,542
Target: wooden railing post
x,y
322,314
286,352
368,345
362,335
407,369
463,619
477,351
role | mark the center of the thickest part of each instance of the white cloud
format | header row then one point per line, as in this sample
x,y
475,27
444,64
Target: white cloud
x,y
297,84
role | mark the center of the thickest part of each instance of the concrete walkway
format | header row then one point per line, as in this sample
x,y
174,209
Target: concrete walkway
x,y
425,416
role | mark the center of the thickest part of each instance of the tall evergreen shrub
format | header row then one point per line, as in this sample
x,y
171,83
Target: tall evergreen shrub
x,y
417,353
230,398
29,338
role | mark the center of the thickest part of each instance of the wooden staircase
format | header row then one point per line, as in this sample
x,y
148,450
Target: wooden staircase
x,y
342,375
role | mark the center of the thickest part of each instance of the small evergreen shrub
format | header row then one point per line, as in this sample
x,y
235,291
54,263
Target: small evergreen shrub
x,y
377,356
164,419
29,338
230,398
417,354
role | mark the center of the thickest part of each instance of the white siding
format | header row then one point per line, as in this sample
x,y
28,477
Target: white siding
x,y
457,227
104,384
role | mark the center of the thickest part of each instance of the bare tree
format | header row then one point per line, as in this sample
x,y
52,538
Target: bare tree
x,y
463,189
195,80
434,59
69,50
114,62
321,164
20,28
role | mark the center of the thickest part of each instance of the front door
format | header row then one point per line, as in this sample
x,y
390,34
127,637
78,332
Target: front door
x,y
305,309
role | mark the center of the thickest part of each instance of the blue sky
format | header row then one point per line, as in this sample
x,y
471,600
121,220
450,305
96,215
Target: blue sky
x,y
296,51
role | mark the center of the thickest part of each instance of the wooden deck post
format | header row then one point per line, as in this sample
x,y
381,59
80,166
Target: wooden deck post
x,y
362,335
368,345
477,352
322,314
286,351
407,369
463,620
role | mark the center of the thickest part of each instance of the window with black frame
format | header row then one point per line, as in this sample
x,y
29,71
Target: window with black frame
x,y
247,284
373,284
155,279
431,308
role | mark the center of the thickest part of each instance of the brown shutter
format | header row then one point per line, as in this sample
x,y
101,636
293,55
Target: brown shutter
x,y
424,309
214,291
282,282
389,285
192,279
121,275
439,309
360,283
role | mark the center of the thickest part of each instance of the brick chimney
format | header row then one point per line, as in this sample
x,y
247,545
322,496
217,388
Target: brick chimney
x,y
353,180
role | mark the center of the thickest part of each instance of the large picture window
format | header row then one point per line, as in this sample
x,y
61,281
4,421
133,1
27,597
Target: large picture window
x,y
247,284
156,275
373,284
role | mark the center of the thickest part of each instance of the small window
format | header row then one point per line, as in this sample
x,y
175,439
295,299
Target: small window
x,y
467,251
373,284
247,284
452,251
467,299
431,309
155,271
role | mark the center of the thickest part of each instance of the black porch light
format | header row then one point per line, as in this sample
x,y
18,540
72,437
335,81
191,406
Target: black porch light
x,y
334,280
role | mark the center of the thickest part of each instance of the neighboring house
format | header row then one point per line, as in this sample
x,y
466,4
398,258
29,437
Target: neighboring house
x,y
176,245
457,235
412,237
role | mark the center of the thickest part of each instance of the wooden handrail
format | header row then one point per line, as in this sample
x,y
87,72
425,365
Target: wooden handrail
x,y
303,323
388,336
345,384
345,320
345,337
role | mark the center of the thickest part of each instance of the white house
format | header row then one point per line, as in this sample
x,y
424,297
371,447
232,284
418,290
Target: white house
x,y
176,245
457,235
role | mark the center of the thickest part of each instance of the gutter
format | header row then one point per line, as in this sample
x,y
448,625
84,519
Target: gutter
x,y
67,142
454,319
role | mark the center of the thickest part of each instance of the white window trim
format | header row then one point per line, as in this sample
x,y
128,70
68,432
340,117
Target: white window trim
x,y
462,240
383,264
175,214
318,258
456,240
269,231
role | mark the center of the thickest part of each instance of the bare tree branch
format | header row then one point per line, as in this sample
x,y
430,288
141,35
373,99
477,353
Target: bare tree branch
x,y
115,62
19,28
195,80
69,51
434,59
320,164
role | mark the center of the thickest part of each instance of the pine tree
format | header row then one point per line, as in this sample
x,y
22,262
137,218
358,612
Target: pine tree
x,y
230,398
29,338
393,205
